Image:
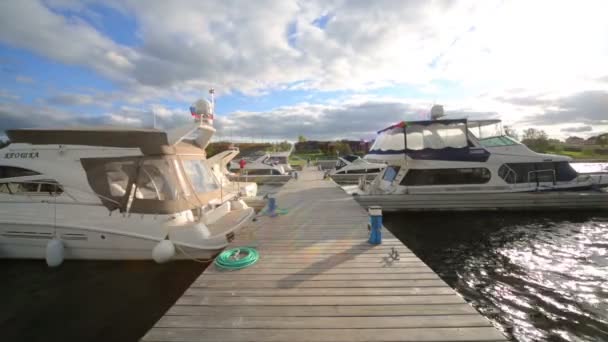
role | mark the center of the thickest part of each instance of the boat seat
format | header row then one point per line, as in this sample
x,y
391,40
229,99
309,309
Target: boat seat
x,y
228,221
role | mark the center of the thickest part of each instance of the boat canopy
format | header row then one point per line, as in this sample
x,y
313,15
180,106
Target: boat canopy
x,y
432,139
419,135
152,184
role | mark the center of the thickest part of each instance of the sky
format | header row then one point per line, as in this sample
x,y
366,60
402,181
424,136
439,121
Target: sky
x,y
328,69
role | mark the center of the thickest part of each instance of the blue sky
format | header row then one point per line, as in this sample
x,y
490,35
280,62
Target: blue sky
x,y
325,69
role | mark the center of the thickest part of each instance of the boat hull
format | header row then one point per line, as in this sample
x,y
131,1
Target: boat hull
x,y
29,242
353,178
518,201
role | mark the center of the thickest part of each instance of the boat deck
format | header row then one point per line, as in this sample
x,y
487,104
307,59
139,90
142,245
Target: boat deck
x,y
319,280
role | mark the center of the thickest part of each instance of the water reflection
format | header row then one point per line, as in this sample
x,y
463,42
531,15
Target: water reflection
x,y
538,276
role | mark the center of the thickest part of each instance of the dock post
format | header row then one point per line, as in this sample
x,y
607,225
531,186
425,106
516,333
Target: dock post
x,y
272,206
375,216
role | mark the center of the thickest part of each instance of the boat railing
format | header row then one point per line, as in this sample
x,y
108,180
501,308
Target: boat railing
x,y
537,172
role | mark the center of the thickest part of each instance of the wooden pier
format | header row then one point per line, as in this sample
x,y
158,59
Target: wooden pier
x,y
319,280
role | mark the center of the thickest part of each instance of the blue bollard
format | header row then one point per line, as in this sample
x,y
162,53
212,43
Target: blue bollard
x,y
272,206
375,217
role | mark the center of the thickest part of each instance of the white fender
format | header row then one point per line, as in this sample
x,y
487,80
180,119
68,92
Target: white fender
x,y
163,251
54,253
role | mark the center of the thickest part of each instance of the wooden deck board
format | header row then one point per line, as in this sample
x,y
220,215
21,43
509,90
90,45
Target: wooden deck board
x,y
319,280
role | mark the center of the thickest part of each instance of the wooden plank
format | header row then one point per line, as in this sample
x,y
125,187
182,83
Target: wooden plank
x,y
366,291
325,335
286,273
323,310
322,276
287,284
321,300
322,322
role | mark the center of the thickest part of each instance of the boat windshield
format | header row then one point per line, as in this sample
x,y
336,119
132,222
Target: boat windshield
x,y
200,176
490,133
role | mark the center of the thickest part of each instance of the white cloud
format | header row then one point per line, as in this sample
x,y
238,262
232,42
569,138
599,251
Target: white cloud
x,y
246,46
513,60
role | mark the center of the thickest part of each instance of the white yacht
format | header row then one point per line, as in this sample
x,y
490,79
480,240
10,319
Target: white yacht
x,y
264,165
265,169
351,169
352,164
108,193
462,164
218,164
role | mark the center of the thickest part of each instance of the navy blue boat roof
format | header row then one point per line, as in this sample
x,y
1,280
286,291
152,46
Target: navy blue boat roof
x,y
424,123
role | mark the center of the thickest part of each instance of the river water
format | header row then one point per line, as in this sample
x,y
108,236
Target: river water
x,y
536,276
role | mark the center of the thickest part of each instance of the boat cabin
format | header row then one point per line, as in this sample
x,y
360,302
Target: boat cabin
x,y
131,170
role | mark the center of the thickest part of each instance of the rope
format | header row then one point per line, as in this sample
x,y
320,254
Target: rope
x,y
231,260
202,261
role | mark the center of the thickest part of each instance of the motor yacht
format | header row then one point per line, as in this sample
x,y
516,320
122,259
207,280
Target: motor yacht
x,y
115,193
262,169
218,164
263,165
350,168
462,164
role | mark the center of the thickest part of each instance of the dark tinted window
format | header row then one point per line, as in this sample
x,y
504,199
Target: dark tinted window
x,y
446,176
43,187
351,158
390,173
12,171
564,172
262,172
537,172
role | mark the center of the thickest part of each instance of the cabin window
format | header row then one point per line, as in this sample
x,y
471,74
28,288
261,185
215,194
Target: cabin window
x,y
200,176
38,187
12,171
340,164
416,177
390,173
262,172
277,160
537,172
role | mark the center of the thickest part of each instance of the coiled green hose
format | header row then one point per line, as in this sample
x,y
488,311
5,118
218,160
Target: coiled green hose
x,y
230,259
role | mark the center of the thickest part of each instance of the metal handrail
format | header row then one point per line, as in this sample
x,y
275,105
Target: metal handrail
x,y
540,171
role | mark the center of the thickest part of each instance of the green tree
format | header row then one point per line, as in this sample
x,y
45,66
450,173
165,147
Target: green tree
x,y
342,148
511,132
4,143
536,139
301,138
